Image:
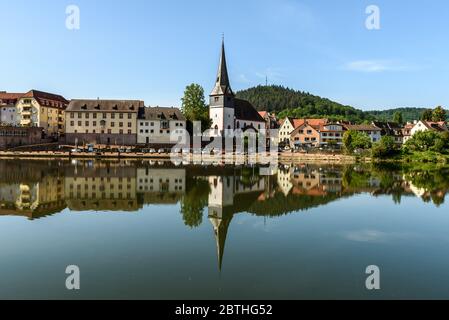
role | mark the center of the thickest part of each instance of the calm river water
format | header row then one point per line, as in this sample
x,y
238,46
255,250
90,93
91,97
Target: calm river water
x,y
143,230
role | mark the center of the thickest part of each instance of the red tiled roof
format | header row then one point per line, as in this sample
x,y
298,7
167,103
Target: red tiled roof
x,y
10,96
44,96
438,126
47,99
312,122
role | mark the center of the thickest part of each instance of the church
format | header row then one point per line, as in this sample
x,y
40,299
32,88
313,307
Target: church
x,y
228,113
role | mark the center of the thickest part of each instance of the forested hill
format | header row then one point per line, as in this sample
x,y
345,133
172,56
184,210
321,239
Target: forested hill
x,y
408,114
288,102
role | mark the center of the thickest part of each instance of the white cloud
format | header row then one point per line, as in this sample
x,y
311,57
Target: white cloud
x,y
374,66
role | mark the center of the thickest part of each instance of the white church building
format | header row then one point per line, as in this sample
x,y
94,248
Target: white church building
x,y
228,113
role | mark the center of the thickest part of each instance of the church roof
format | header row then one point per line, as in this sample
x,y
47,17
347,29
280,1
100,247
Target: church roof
x,y
244,110
222,84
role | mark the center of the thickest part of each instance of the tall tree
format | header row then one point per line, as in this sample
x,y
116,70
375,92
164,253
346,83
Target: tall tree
x,y
397,117
439,114
427,115
194,105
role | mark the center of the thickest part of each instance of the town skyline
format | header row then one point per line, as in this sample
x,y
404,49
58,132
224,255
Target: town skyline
x,y
378,71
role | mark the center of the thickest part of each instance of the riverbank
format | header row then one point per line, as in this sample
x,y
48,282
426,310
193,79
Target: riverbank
x,y
256,158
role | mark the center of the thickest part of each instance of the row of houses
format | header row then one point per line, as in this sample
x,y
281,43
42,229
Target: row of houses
x,y
297,133
35,116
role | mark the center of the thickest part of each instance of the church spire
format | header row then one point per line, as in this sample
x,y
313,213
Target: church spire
x,y
222,85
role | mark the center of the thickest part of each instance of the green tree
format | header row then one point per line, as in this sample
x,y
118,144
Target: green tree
x,y
353,140
427,115
397,117
422,141
384,148
194,201
194,105
439,114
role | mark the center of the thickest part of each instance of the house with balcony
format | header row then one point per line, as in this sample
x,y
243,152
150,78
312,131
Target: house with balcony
x,y
44,110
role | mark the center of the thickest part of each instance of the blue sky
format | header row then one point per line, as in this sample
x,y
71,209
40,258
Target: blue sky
x,y
150,50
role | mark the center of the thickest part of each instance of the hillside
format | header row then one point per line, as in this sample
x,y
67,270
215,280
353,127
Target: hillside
x,y
408,114
288,102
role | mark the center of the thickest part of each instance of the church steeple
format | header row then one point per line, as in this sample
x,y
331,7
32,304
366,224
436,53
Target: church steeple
x,y
222,85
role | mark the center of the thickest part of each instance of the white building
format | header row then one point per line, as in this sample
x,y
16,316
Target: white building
x,y
372,131
156,126
421,126
161,180
8,109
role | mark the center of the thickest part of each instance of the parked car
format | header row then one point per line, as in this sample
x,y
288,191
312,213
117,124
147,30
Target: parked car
x,y
176,150
75,150
160,151
152,151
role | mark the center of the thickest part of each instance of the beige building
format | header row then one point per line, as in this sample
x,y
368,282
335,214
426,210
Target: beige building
x,y
288,125
108,122
44,110
160,126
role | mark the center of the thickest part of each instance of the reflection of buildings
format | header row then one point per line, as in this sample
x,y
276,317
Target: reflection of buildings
x,y
34,199
309,181
37,191
161,186
108,187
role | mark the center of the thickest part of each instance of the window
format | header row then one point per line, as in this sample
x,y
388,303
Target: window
x,y
72,115
129,131
130,125
120,116
79,124
72,123
94,115
87,115
94,123
130,116
104,115
87,123
112,115
80,115
120,124
121,131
